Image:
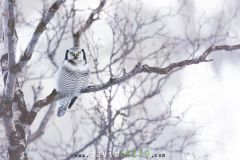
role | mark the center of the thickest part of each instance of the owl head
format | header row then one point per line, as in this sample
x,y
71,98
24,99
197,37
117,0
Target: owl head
x,y
76,56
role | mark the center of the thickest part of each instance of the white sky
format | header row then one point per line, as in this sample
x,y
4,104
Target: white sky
x,y
214,97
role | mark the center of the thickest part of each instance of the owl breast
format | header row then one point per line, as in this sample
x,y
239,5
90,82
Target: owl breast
x,y
71,82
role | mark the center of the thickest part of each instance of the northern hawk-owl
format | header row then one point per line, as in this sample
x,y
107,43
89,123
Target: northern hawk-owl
x,y
72,77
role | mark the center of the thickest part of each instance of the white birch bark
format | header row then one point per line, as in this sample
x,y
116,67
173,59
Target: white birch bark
x,y
14,129
13,108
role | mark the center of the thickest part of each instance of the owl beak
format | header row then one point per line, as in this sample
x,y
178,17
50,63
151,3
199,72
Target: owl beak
x,y
71,61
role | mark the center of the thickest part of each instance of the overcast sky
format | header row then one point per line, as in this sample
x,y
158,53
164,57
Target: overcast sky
x,y
210,89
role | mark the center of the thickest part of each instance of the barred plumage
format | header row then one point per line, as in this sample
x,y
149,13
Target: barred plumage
x,y
73,75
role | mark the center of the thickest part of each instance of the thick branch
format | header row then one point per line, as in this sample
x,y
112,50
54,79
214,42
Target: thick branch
x,y
54,96
16,129
36,35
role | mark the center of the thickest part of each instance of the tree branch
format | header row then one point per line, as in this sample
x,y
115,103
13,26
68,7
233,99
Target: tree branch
x,y
40,131
102,132
16,129
139,68
36,35
89,22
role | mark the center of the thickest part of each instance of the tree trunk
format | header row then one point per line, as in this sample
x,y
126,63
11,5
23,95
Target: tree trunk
x,y
15,130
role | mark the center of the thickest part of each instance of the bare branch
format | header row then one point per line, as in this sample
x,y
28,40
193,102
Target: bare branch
x,y
89,22
36,35
102,132
94,140
40,131
54,96
120,114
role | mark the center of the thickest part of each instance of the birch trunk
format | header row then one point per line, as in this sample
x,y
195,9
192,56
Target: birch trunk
x,y
15,130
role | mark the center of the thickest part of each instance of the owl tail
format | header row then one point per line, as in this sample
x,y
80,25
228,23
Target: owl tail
x,y
62,106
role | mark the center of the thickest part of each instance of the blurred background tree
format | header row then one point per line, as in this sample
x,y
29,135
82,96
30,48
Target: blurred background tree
x,y
136,50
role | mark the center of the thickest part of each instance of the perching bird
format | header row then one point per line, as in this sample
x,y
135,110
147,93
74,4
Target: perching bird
x,y
72,77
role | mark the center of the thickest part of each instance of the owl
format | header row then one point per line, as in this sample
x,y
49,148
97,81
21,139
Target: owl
x,y
73,75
